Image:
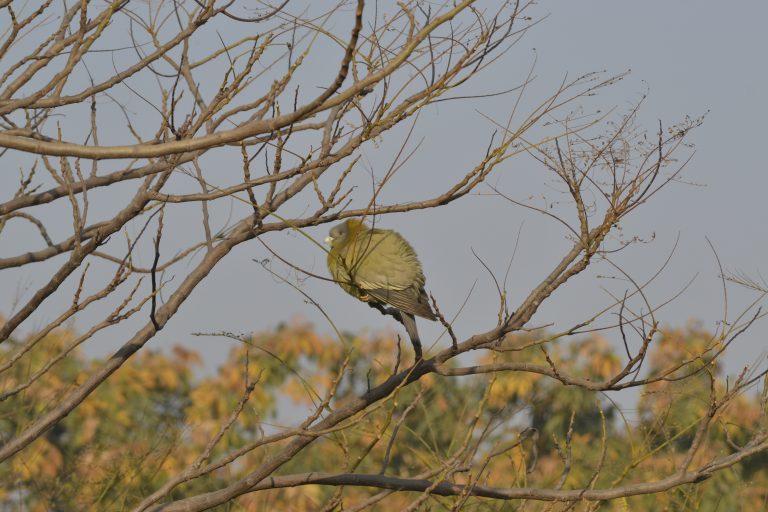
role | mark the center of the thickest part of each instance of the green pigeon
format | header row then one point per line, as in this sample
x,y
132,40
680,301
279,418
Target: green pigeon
x,y
378,266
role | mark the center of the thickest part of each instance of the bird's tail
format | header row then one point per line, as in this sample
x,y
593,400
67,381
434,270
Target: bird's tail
x,y
409,322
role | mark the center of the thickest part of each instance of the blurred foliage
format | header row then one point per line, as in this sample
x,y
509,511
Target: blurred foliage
x,y
157,415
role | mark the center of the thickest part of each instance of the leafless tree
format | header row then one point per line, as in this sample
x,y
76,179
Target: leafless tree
x,y
144,100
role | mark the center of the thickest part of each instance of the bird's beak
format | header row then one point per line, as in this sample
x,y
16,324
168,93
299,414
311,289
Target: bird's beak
x,y
328,240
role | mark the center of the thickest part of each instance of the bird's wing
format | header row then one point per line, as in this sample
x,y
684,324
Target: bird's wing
x,y
382,259
385,266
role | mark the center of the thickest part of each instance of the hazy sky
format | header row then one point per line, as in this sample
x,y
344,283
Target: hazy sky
x,y
691,57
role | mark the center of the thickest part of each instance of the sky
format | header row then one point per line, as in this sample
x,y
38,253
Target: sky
x,y
690,58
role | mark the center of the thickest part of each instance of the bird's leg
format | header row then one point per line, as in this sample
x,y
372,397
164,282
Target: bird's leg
x,y
385,310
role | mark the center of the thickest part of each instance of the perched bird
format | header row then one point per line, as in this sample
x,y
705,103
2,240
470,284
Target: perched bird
x,y
378,266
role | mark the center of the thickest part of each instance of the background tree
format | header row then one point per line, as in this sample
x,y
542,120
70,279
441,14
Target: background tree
x,y
511,413
150,424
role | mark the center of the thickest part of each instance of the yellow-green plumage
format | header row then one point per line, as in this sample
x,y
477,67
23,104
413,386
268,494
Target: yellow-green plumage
x,y
379,265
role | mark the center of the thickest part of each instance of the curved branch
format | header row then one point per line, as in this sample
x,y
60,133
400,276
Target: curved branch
x,y
249,129
450,489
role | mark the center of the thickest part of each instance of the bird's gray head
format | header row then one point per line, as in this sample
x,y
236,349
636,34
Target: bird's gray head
x,y
337,233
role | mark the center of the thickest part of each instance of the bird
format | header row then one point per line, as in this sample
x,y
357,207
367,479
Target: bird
x,y
379,266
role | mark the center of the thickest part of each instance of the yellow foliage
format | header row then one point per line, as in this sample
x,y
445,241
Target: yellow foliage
x,y
510,386
168,377
153,417
42,459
